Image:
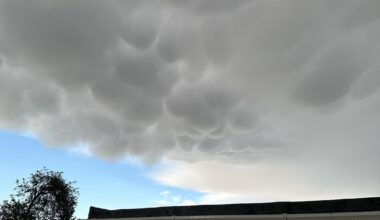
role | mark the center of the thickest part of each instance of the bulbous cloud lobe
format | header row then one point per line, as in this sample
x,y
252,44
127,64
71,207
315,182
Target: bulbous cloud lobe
x,y
191,80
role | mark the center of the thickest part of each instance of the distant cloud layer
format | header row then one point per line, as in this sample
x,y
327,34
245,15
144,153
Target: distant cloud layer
x,y
242,82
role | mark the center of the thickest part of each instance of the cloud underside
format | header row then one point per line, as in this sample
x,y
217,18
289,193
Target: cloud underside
x,y
247,82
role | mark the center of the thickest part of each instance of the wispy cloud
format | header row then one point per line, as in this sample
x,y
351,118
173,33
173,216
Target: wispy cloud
x,y
169,199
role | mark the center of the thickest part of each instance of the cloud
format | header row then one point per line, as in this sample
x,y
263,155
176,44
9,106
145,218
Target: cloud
x,y
168,199
251,98
279,180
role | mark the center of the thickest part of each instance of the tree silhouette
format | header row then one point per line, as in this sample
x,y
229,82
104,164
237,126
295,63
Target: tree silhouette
x,y
45,195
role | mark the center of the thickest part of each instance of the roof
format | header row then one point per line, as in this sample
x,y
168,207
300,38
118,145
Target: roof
x,y
322,206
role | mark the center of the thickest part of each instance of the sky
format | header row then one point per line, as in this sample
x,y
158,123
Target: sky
x,y
126,184
192,102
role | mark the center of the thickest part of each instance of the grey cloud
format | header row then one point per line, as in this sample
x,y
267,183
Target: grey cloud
x,y
331,77
180,39
217,43
218,97
336,69
141,28
368,84
242,119
139,71
24,98
194,80
212,6
365,12
65,41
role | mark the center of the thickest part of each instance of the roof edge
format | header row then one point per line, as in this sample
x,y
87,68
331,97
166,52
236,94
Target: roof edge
x,y
298,207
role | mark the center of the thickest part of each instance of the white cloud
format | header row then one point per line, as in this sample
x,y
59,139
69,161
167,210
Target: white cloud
x,y
169,199
272,181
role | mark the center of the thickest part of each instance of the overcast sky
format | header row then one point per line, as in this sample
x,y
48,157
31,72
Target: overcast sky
x,y
243,101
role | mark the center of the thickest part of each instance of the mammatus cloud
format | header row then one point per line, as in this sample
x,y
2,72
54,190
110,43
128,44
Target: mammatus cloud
x,y
242,82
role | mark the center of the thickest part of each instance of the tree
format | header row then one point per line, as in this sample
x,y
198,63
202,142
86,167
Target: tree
x,y
45,195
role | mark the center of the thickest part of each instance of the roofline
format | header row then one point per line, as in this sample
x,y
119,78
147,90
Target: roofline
x,y
273,208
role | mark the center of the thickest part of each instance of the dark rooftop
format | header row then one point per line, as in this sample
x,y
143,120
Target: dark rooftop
x,y
323,206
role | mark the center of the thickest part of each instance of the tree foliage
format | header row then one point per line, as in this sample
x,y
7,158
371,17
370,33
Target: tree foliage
x,y
45,195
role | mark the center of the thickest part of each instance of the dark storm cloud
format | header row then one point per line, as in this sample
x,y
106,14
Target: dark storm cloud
x,y
226,80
